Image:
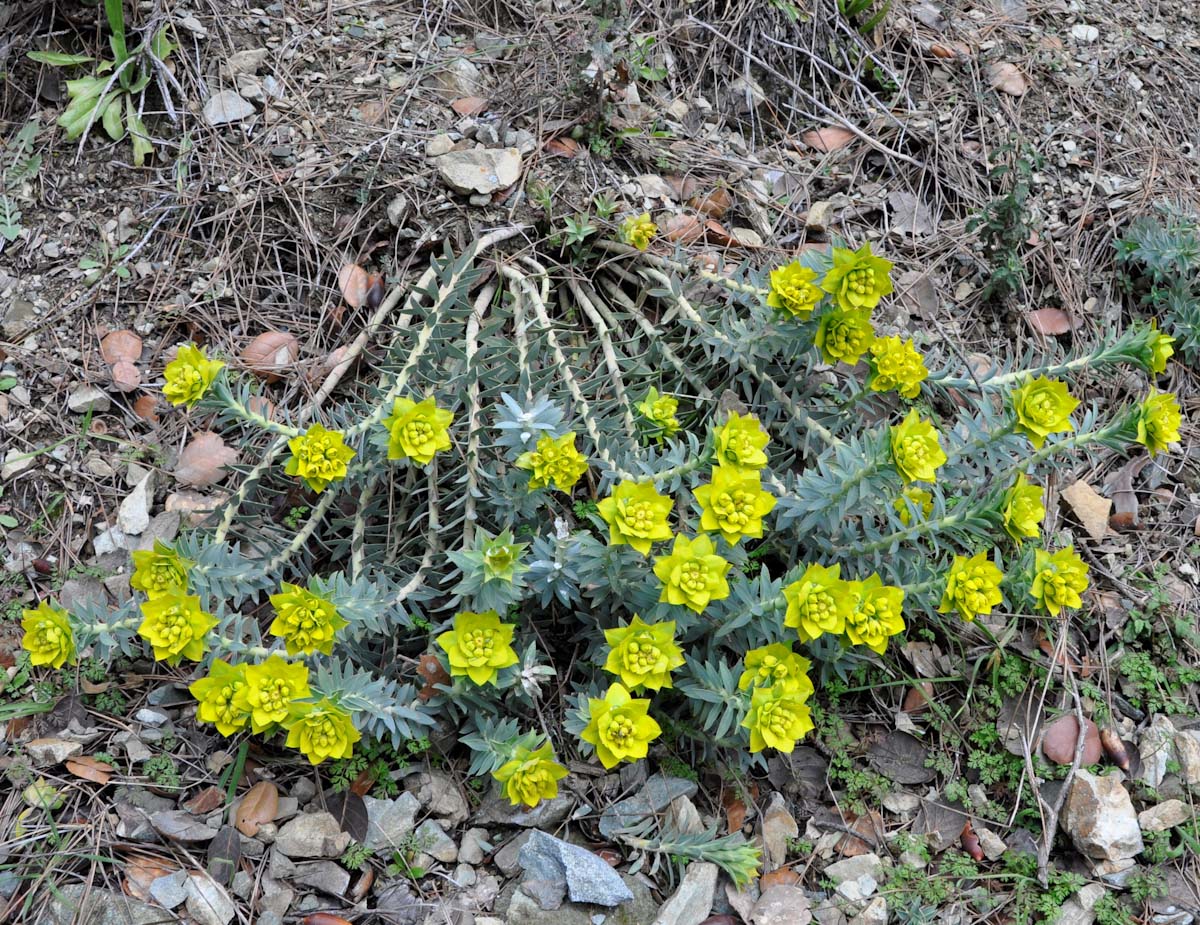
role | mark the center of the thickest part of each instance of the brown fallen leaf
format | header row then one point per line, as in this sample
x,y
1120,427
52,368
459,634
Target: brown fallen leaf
x,y
683,229
714,204
735,810
270,354
324,918
353,281
469,105
716,233
684,186
970,842
784,876
1061,736
1114,748
203,460
868,831
562,147
98,772
829,138
121,347
259,806
1050,322
376,290
950,50
126,377
1090,507
142,870
205,801
1124,499
917,699
429,667
1006,78
146,407
224,852
362,885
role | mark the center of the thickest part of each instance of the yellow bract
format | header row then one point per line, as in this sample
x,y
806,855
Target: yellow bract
x,y
972,587
321,730
858,279
638,231
159,571
319,457
916,452
555,462
175,627
845,335
1042,407
776,664
218,699
636,514
189,376
619,727
693,574
876,614
734,503
818,603
305,621
919,498
794,290
896,365
1058,580
741,442
778,718
1160,348
1159,420
48,637
1023,509
478,645
660,410
643,654
270,689
417,430
530,776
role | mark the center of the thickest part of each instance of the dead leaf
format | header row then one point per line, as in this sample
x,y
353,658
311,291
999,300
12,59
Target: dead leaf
x,y
684,187
562,147
827,139
715,204
900,758
1124,499
375,290
146,407
126,377
1091,508
716,233
1007,78
924,657
350,811
98,772
1062,735
683,229
970,842
205,801
909,214
271,353
1050,322
868,833
92,687
372,112
324,918
942,821
203,460
469,105
121,347
362,885
258,807
917,699
142,870
429,667
784,876
353,282
363,783
950,50
735,810
224,852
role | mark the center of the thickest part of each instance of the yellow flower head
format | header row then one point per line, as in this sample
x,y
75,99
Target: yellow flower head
x,y
530,776
643,654
478,645
693,574
159,571
48,637
270,689
417,430
778,718
818,603
741,442
794,290
1023,509
767,666
1043,407
320,730
1158,423
918,498
896,365
972,587
305,621
734,503
218,697
619,727
175,627
636,514
638,230
876,614
660,410
1058,580
319,456
1159,348
916,452
845,335
555,462
858,278
189,376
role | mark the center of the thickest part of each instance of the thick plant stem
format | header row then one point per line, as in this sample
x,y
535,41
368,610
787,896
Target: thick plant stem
x,y
473,429
610,355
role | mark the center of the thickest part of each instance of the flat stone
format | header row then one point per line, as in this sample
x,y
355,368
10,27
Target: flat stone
x,y
170,890
441,794
178,825
474,845
682,816
1099,817
864,865
207,901
46,752
876,913
653,797
149,716
692,901
1187,750
247,61
1165,815
89,398
547,815
1078,909
325,876
480,170
225,107
992,844
431,838
133,516
313,835
781,905
1082,32
1155,748
585,876
439,145
17,461
76,902
778,829
641,910
389,822
507,859
457,78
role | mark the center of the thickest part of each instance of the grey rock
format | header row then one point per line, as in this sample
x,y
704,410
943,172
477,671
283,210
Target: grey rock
x,y
389,822
439,145
1165,815
487,134
247,61
827,913
1187,750
507,859
304,790
207,901
464,875
225,107
441,794
76,902
397,208
178,825
778,828
586,877
693,900
876,913
865,865
1099,817
19,315
781,905
683,816
474,845
243,885
992,844
1115,873
325,876
654,797
313,835
149,716
280,866
17,461
46,752
1155,748
89,398
480,170
523,141
1078,910
901,802
133,516
81,592
433,840
276,897
169,890
641,910
457,78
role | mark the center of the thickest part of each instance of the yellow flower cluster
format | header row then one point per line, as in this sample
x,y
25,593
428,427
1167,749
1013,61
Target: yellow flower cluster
x,y
659,411
778,715
972,587
305,621
478,646
319,457
896,366
48,637
638,231
530,775
189,376
554,461
865,612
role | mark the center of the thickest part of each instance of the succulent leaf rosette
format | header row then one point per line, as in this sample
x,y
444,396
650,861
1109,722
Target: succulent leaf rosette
x,y
270,689
176,627
896,366
219,697
1023,510
638,231
877,614
776,664
818,603
734,504
659,411
555,461
159,571
741,442
844,335
417,430
478,646
305,621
